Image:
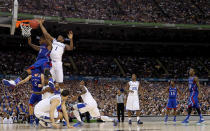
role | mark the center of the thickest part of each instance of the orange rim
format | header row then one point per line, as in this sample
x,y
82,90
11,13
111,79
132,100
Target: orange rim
x,y
22,22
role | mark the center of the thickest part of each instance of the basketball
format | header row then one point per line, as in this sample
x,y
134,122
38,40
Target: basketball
x,y
34,24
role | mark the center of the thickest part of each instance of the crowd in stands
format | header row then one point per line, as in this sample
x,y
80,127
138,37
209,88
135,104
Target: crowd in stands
x,y
162,11
109,66
14,101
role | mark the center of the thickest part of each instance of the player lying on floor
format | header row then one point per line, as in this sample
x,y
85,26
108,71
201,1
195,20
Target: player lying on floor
x,y
89,105
46,110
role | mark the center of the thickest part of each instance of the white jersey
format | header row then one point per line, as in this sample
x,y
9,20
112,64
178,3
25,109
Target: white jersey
x,y
57,51
46,94
88,98
44,105
132,103
134,86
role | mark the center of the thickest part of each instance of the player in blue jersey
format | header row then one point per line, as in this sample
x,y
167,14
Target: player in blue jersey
x,y
37,81
42,63
172,103
195,95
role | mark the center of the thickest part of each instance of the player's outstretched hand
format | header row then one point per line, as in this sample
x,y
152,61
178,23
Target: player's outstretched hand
x,y
70,34
70,126
40,21
55,125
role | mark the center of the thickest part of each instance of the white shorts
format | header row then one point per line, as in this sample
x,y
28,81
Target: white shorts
x,y
92,109
57,71
40,114
132,103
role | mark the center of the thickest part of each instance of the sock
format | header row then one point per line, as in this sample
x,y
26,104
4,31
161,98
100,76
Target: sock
x,y
76,114
106,118
129,118
31,119
138,118
201,117
174,118
37,120
17,80
187,118
166,118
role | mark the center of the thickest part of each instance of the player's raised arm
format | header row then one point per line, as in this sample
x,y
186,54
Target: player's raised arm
x,y
44,31
54,104
166,91
71,45
35,47
24,81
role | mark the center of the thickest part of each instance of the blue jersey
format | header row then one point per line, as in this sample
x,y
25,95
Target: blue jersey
x,y
36,80
193,88
172,92
44,53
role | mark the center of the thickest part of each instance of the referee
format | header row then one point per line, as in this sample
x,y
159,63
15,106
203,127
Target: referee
x,y
120,104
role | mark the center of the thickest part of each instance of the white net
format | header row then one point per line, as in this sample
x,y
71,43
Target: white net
x,y
26,30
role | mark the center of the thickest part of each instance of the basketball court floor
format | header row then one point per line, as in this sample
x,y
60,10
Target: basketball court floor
x,y
147,126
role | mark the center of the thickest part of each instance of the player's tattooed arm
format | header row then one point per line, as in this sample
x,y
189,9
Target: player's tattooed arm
x,y
46,34
35,47
71,45
24,81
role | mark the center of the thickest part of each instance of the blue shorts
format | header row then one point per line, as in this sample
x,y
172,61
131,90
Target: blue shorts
x,y
34,99
172,104
41,64
193,102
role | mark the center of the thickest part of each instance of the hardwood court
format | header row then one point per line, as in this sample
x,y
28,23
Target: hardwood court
x,y
147,126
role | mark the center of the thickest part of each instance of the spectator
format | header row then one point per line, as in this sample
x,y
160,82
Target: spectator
x,y
8,120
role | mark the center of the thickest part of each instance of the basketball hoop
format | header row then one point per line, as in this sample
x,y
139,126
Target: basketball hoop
x,y
26,30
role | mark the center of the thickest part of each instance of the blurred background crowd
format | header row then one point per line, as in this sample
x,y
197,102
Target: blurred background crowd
x,y
161,11
110,66
14,101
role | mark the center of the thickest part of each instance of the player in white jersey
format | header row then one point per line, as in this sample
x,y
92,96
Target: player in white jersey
x,y
133,88
46,110
57,51
89,105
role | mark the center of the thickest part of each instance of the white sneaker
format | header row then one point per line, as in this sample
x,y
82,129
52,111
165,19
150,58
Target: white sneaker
x,y
45,124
